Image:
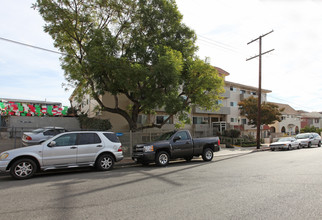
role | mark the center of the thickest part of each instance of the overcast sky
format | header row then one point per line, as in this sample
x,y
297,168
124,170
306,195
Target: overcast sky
x,y
293,71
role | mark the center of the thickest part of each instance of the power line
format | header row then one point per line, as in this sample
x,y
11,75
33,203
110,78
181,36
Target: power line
x,y
206,40
292,103
218,43
28,45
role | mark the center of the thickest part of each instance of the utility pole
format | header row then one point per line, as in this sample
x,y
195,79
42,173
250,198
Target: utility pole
x,y
259,114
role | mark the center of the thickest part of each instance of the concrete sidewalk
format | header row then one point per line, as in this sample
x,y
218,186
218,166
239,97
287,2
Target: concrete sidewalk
x,y
223,152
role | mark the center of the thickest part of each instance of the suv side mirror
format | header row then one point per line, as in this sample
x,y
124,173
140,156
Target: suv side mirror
x,y
52,144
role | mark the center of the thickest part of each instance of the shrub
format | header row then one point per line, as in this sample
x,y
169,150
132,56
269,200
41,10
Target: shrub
x,y
94,123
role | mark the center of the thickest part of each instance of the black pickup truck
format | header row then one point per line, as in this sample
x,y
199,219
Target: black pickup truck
x,y
175,144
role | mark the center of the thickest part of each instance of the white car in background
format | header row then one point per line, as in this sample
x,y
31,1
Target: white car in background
x,y
309,139
40,135
285,143
66,150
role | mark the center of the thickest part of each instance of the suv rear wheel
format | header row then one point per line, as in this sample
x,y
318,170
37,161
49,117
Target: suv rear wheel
x,y
105,162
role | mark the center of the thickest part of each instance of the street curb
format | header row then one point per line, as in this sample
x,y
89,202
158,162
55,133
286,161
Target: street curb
x,y
128,160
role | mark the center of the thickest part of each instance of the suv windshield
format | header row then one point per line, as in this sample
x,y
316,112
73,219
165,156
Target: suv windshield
x,y
166,136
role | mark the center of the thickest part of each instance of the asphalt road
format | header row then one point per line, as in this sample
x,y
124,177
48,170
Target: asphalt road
x,y
261,185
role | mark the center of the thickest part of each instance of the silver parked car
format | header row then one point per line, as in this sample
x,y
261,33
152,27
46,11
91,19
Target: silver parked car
x,y
40,135
309,139
66,150
285,143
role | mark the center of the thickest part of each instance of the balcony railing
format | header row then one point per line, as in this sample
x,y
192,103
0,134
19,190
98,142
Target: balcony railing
x,y
221,111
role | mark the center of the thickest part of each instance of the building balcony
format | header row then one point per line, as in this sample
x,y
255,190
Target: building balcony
x,y
246,96
221,111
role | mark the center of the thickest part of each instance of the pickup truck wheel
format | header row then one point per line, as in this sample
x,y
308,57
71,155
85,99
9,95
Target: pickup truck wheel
x,y
23,169
207,154
105,162
162,158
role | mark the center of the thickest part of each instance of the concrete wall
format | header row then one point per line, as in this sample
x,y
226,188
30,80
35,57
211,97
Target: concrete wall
x,y
68,123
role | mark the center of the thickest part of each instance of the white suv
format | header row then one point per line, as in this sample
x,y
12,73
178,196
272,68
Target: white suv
x,y
66,150
309,139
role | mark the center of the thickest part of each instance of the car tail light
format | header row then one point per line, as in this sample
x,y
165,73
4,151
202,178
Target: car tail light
x,y
218,142
120,149
28,138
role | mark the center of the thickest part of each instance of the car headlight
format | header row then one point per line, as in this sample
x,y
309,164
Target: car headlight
x,y
148,148
3,156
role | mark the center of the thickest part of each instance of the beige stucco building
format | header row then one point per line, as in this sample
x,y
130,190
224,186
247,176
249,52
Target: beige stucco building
x,y
203,122
290,123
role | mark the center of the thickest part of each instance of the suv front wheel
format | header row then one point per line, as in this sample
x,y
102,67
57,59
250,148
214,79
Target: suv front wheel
x,y
23,169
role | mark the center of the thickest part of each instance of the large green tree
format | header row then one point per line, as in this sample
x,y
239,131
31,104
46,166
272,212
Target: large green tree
x,y
269,112
138,49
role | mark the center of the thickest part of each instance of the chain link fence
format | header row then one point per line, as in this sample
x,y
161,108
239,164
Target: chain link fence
x,y
10,138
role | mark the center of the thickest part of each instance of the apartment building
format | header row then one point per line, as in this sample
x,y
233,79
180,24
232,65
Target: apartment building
x,y
228,117
204,122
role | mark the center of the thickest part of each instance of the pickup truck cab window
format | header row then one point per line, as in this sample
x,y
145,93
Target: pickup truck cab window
x,y
166,136
182,135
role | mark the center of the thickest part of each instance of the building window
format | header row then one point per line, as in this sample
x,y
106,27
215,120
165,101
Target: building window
x,y
243,121
233,120
283,118
233,89
242,91
161,118
316,120
197,120
233,104
253,93
142,119
200,120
